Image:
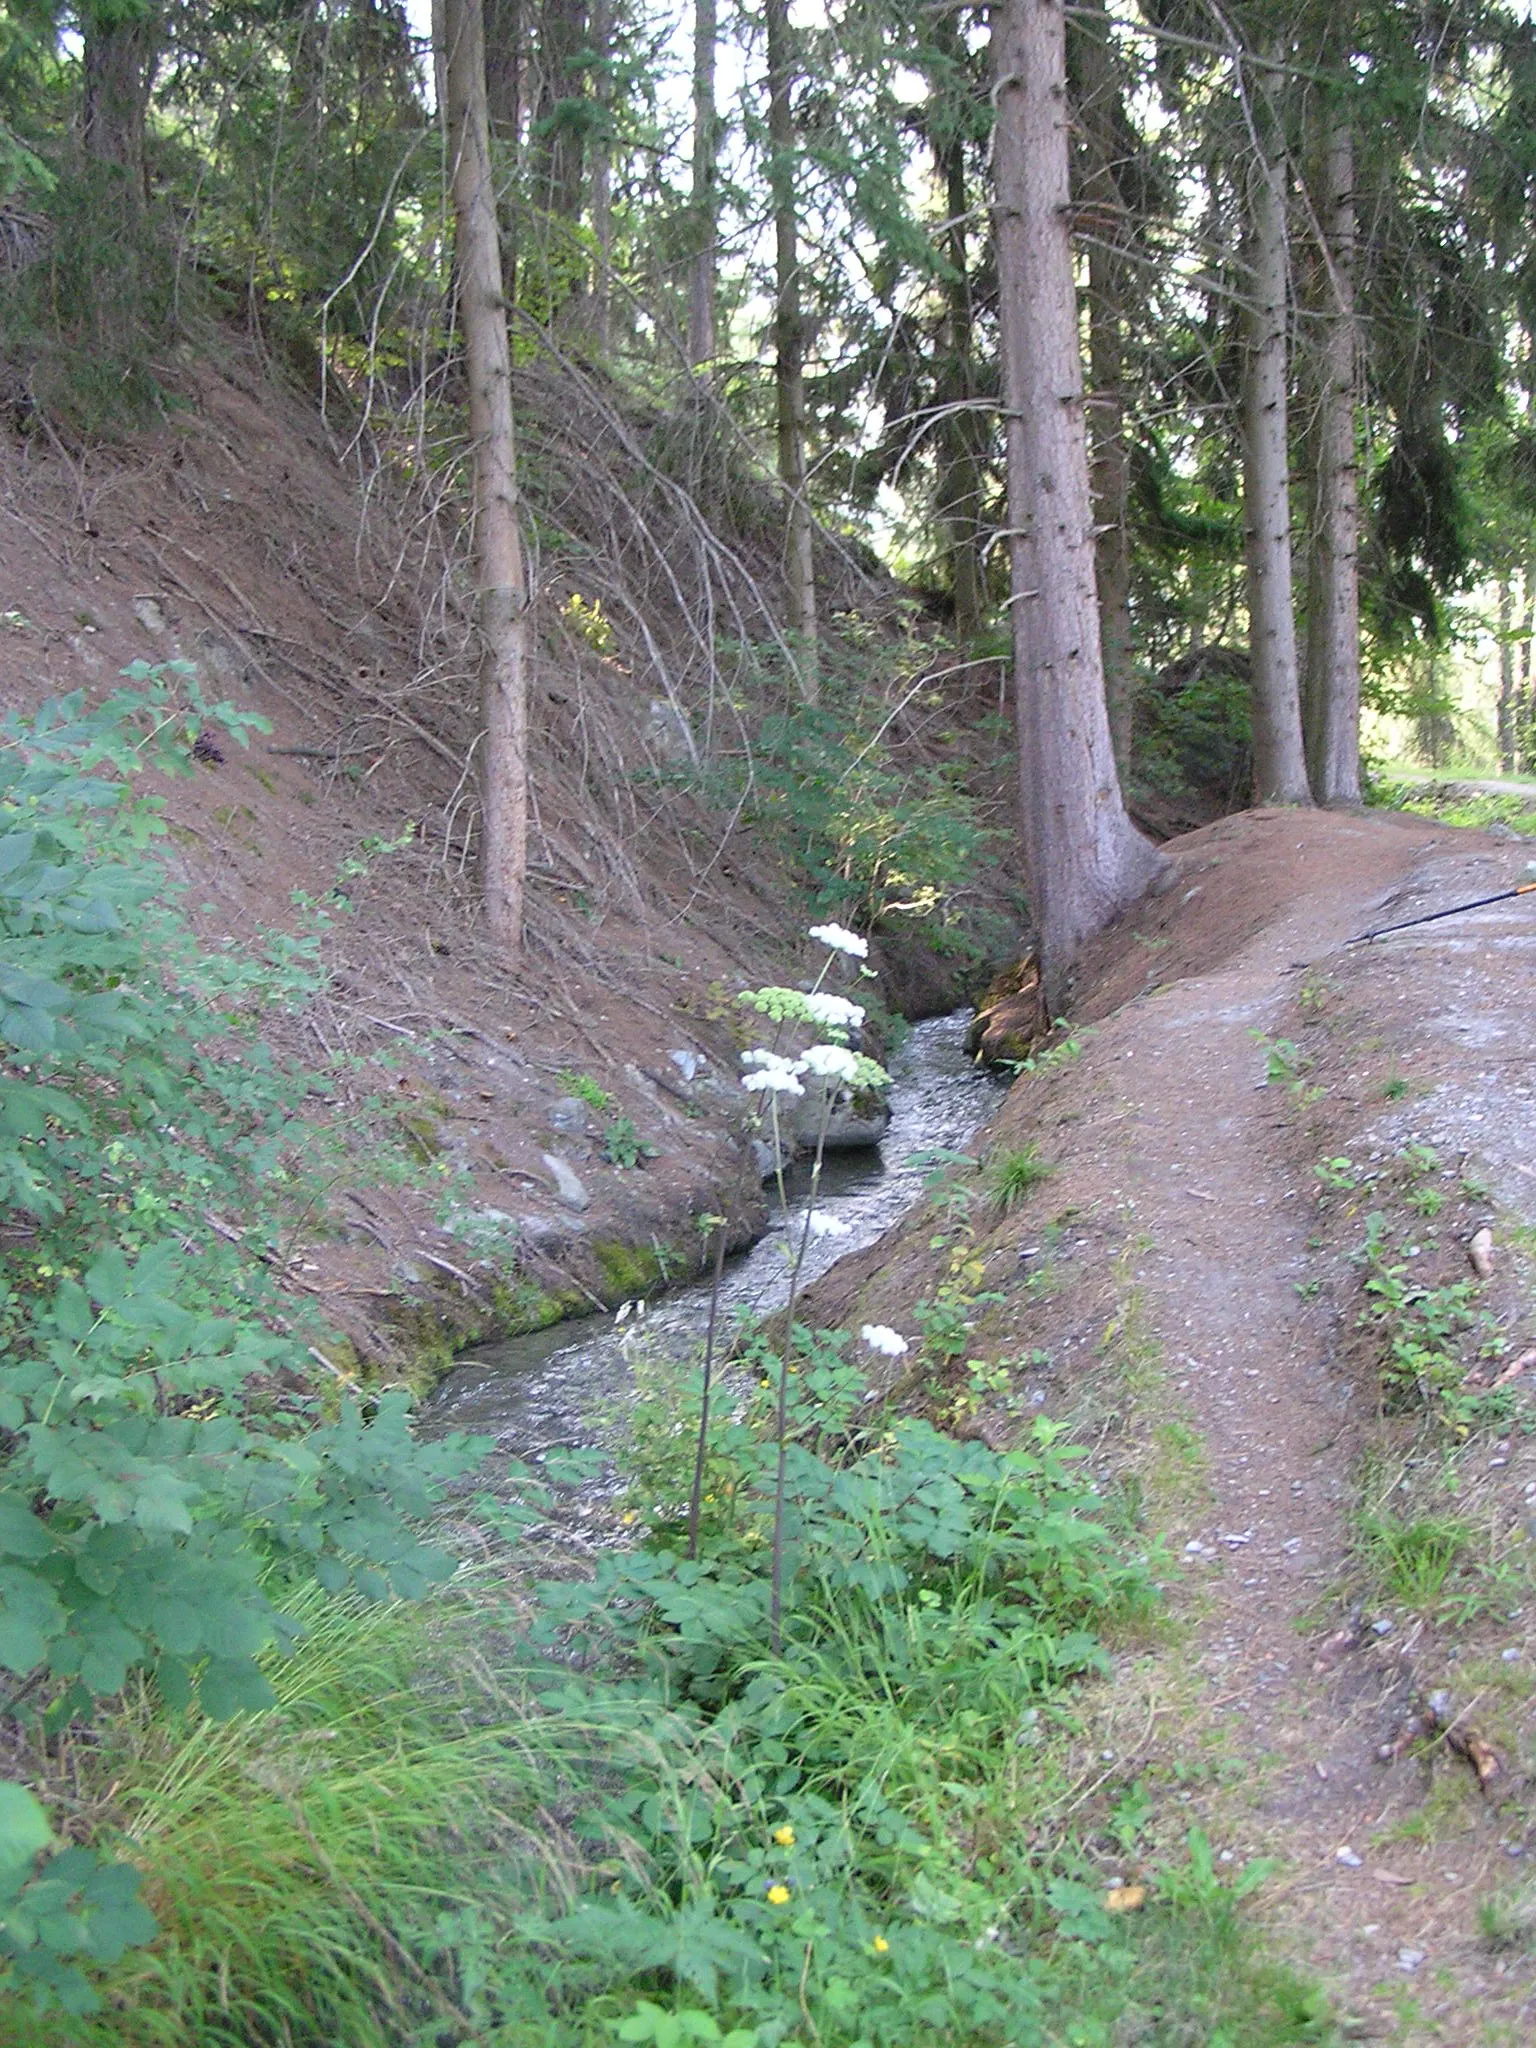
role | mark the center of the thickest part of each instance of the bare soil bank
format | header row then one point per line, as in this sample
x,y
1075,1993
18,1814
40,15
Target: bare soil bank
x,y
1185,1293
246,536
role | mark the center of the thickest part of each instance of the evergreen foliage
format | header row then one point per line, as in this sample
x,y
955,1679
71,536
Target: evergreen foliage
x,y
291,175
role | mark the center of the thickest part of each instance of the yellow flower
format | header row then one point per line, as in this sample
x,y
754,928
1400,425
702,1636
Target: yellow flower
x,y
778,1895
880,1945
785,1837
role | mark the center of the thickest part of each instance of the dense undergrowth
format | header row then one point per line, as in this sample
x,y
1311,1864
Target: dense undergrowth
x,y
868,800
798,1769
601,1809
165,1468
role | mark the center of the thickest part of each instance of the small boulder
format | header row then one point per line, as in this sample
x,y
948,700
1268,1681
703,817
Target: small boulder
x,y
765,1158
667,733
854,1118
567,1182
569,1115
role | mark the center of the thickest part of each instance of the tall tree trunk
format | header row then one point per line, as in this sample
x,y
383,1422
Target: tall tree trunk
x,y
559,148
789,348
1434,728
504,69
958,482
1279,758
1332,720
501,589
1085,862
1525,716
602,177
704,201
1099,73
959,491
1507,708
1112,495
119,55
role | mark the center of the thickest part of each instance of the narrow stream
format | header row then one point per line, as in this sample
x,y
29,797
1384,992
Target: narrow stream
x,y
553,1387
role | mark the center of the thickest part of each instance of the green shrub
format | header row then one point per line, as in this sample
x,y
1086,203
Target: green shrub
x,y
85,323
880,844
623,1145
160,1456
1430,1338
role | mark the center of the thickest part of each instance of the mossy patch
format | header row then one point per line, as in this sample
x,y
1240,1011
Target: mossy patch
x,y
631,1271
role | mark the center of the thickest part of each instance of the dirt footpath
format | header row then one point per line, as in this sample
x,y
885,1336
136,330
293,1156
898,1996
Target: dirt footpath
x,y
1186,1291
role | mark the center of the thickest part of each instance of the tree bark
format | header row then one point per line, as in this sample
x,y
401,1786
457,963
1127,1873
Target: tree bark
x,y
1507,709
1111,461
501,590
789,349
1085,862
958,484
704,201
1279,757
559,146
119,57
1332,708
602,178
1525,718
504,69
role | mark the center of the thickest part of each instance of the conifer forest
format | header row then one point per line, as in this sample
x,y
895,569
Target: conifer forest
x,y
767,1140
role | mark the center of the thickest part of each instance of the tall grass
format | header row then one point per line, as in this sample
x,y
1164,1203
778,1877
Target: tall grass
x,y
308,1866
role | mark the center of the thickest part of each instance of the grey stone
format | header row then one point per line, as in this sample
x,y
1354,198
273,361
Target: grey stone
x,y
568,1113
853,1121
764,1157
667,733
226,664
567,1182
150,614
488,1219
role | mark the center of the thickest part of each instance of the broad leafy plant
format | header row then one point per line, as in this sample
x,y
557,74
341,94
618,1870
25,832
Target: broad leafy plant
x,y
162,1461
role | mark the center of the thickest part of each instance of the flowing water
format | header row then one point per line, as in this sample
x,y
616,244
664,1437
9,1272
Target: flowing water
x,y
554,1387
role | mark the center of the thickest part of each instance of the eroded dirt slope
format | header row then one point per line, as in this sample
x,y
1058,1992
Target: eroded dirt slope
x,y
296,569
1185,1292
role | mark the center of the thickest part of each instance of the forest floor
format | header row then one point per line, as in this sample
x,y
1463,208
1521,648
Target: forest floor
x,y
1185,1294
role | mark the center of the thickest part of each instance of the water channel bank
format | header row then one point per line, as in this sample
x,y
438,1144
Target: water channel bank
x,y
554,1387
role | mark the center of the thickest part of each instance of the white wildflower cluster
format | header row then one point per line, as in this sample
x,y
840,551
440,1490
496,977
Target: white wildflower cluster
x,y
830,1062
882,1338
833,1013
772,1074
841,940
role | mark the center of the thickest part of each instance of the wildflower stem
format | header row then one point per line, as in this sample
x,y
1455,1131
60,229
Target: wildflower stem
x,y
709,1365
781,1425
